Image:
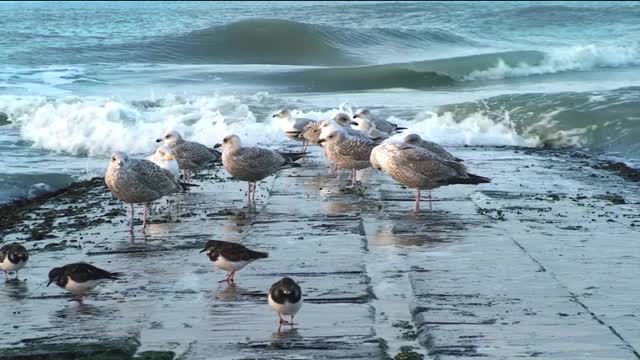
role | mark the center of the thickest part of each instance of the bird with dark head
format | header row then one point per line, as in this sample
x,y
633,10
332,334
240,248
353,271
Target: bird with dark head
x,y
13,257
79,278
285,297
231,257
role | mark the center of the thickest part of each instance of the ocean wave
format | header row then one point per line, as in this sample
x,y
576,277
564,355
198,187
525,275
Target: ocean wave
x,y
98,126
576,58
256,41
601,121
445,72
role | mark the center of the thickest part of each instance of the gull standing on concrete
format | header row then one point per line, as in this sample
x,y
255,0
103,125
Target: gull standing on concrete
x,y
293,127
380,124
163,157
416,140
345,151
139,181
420,169
253,164
190,155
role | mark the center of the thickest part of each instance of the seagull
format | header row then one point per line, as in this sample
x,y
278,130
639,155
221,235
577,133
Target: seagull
x,y
13,257
348,129
380,124
311,132
163,157
253,164
416,140
231,257
420,169
367,127
191,156
79,278
285,297
345,151
293,127
136,181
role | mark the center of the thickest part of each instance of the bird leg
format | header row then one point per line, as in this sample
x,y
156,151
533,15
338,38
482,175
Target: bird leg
x,y
131,219
253,196
430,206
283,321
249,194
228,278
144,217
353,177
417,207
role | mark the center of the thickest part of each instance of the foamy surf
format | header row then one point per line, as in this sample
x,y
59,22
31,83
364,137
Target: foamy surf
x,y
98,126
575,58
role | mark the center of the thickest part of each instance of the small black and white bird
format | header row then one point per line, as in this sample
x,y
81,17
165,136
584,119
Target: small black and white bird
x,y
285,297
13,257
79,278
231,257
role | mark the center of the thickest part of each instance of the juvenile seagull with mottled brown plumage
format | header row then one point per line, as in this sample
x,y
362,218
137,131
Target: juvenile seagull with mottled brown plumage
x,y
416,140
346,152
139,181
420,169
190,155
253,164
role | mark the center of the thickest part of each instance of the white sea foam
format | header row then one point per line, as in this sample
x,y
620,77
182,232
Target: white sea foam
x,y
475,129
575,58
99,126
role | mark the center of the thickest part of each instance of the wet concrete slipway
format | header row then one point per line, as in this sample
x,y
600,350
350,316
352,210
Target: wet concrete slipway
x,y
544,262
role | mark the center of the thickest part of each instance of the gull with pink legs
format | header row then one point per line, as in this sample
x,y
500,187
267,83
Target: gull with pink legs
x,y
252,164
139,181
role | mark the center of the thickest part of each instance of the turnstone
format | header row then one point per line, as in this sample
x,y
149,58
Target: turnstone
x,y
13,257
285,297
79,278
231,257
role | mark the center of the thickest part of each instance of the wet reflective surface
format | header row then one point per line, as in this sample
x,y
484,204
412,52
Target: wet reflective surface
x,y
536,260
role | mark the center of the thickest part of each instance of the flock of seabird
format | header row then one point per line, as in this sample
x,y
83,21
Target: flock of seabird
x,y
349,142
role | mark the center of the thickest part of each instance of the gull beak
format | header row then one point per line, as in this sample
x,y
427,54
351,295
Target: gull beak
x,y
320,141
274,115
203,250
355,116
354,123
217,146
49,283
158,140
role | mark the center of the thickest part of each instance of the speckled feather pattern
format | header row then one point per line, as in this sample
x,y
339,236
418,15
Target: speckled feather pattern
x,y
415,167
140,181
352,153
192,155
252,163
